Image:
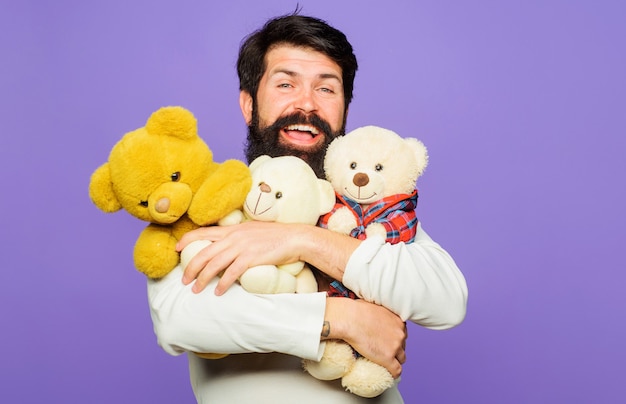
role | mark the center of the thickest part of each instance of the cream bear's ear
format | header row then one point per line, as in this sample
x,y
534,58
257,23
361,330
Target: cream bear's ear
x,y
258,161
101,190
326,195
420,152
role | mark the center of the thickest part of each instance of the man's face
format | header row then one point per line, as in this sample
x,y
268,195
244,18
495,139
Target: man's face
x,y
299,107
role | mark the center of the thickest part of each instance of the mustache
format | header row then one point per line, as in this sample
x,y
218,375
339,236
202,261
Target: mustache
x,y
298,118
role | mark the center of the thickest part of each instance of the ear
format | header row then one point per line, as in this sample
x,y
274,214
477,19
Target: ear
x,y
327,196
245,103
101,190
420,152
258,161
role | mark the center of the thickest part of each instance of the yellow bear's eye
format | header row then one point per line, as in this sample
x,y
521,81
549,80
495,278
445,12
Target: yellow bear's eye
x,y
144,203
176,176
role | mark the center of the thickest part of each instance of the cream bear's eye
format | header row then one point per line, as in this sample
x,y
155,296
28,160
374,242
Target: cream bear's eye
x,y
176,176
353,165
279,195
379,167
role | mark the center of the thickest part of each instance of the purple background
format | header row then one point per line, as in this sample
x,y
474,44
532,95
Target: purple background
x,y
522,106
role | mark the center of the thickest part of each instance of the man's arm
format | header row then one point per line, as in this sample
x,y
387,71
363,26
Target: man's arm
x,y
418,281
237,322
241,322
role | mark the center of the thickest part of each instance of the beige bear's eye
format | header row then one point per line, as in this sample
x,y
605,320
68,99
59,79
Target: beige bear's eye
x,y
279,195
176,176
379,167
353,165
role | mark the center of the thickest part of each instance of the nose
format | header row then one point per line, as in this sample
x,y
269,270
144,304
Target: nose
x,y
306,101
264,187
162,205
361,179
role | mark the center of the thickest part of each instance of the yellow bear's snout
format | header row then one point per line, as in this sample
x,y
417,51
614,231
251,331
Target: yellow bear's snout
x,y
169,202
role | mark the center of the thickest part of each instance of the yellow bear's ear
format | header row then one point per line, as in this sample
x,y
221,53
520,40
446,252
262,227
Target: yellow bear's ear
x,y
101,190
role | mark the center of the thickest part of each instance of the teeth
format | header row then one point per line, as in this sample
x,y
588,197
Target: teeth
x,y
303,128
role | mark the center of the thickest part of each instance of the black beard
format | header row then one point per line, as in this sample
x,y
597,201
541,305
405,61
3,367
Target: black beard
x,y
262,141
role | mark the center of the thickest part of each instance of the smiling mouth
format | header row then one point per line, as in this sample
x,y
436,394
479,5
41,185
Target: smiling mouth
x,y
359,197
302,135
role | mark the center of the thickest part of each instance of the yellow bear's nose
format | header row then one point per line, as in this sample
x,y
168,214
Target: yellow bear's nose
x,y
162,205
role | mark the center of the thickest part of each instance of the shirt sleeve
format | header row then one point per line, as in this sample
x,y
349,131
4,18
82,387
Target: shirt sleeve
x,y
236,322
418,281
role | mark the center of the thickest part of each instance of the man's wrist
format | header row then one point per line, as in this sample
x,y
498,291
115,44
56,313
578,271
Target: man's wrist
x,y
325,329
337,310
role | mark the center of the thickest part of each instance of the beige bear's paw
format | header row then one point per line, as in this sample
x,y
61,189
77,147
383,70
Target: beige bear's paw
x,y
191,250
234,217
367,379
267,279
337,360
305,281
342,221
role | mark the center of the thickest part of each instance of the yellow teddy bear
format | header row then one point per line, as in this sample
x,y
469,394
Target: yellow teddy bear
x,y
164,173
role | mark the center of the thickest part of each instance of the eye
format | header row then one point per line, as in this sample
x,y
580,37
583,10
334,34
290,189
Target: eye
x,y
144,204
353,165
279,195
379,167
176,176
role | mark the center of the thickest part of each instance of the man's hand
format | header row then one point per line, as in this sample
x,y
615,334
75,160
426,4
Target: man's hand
x,y
372,330
236,248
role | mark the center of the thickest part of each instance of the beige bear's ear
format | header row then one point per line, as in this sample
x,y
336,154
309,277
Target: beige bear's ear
x,y
101,190
420,152
258,161
327,196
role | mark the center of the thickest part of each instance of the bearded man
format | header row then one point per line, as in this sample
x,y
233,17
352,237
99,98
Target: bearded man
x,y
296,79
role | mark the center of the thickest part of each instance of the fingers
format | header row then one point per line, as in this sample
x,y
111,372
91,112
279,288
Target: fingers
x,y
212,233
229,277
222,258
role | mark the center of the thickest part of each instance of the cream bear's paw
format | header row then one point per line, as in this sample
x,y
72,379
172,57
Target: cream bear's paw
x,y
376,229
337,360
342,221
367,379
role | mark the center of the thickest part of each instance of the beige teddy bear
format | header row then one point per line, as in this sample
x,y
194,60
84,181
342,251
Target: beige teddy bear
x,y
286,190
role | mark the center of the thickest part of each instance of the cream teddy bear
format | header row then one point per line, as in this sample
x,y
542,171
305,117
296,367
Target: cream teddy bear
x,y
373,171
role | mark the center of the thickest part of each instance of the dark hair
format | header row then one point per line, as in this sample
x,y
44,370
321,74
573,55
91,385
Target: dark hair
x,y
296,30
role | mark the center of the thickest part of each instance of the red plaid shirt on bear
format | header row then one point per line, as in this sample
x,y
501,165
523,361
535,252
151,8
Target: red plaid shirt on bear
x,y
396,213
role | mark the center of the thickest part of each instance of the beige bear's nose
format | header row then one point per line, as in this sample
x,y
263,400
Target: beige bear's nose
x,y
264,187
360,179
162,205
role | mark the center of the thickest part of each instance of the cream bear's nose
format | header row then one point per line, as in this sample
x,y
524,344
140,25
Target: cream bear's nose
x,y
162,205
360,179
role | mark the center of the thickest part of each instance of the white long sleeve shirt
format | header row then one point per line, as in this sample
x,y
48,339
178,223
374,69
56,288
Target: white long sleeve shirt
x,y
419,281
